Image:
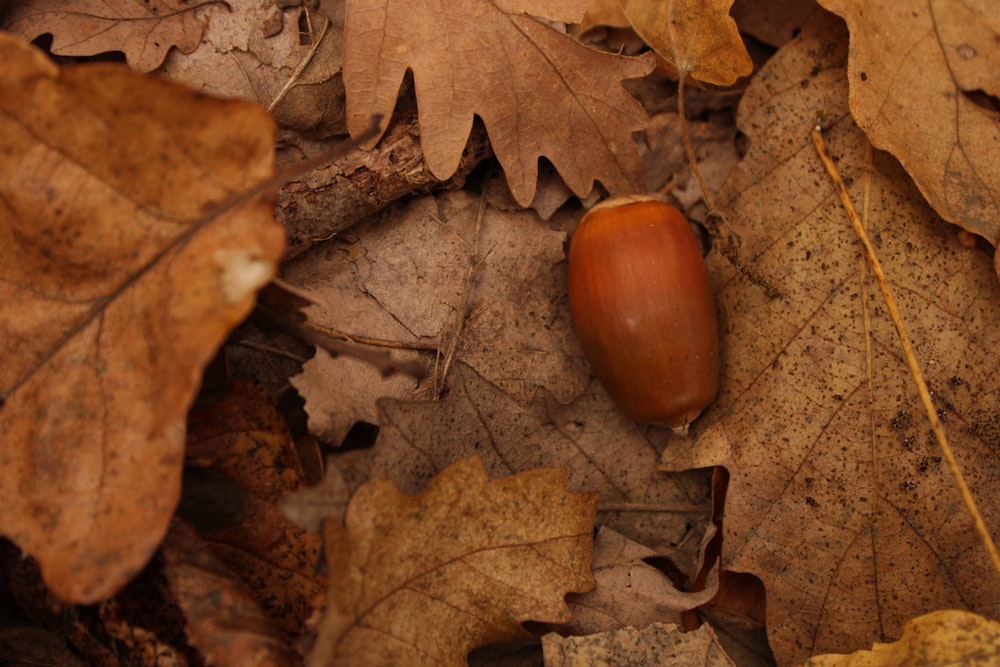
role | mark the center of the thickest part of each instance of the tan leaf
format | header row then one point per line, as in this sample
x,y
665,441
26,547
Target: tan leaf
x,y
603,12
254,50
601,450
422,580
658,644
422,274
919,77
538,92
629,591
947,637
697,37
143,29
118,287
837,501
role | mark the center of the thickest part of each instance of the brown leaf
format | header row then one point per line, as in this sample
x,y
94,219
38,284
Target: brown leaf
x,y
601,450
143,29
223,620
920,78
538,92
837,499
659,644
947,637
696,37
247,463
118,289
425,274
629,591
421,580
253,50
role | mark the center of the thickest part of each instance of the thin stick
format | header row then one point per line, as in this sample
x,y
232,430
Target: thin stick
x,y
366,340
687,144
911,359
653,507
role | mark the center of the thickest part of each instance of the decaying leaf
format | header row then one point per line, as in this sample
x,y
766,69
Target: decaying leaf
x,y
601,450
629,591
538,92
241,458
921,78
837,498
697,38
658,644
223,620
143,30
287,60
441,273
422,580
118,284
947,637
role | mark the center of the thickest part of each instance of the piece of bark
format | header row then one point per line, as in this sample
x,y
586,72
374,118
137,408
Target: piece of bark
x,y
328,200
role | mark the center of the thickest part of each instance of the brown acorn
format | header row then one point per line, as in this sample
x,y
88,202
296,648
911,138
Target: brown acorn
x,y
643,309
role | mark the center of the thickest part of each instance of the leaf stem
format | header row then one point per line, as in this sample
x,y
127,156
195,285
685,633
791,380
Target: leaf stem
x,y
687,144
911,359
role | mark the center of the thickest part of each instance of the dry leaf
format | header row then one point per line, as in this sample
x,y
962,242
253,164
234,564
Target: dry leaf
x,y
773,22
603,12
629,591
143,29
420,276
917,74
247,463
659,644
224,621
601,450
422,580
254,50
697,38
118,289
538,92
838,502
940,638
307,508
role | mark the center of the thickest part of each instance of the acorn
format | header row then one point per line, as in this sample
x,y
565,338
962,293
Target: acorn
x,y
642,305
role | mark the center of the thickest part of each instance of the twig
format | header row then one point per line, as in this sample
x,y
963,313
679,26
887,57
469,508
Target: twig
x,y
365,340
653,507
911,359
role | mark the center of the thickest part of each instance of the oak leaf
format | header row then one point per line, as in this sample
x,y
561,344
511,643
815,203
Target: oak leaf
x,y
697,38
922,77
601,450
658,644
422,580
946,637
630,591
837,499
538,92
144,30
120,274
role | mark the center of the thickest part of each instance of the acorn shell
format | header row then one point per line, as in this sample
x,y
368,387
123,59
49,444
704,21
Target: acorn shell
x,y
642,305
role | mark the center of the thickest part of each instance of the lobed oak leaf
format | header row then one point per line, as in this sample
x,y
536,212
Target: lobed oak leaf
x,y
422,580
144,30
657,644
601,450
120,275
837,498
945,637
697,38
922,78
538,92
